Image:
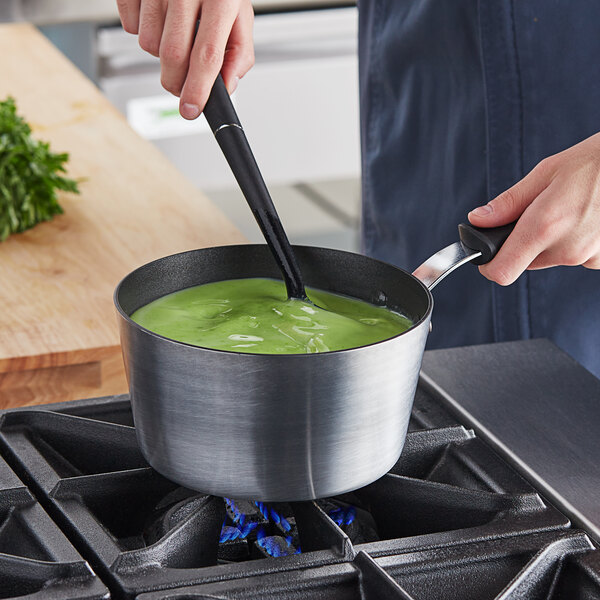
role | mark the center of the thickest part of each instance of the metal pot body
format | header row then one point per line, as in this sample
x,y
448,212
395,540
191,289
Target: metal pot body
x,y
272,427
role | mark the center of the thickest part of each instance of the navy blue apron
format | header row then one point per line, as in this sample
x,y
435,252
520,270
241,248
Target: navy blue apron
x,y
459,100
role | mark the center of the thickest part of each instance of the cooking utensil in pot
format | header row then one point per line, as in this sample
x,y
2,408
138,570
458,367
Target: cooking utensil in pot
x,y
280,427
228,131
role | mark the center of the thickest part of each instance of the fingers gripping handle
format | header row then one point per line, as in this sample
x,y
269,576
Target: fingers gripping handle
x,y
486,240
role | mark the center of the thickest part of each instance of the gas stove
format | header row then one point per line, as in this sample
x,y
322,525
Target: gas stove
x,y
466,513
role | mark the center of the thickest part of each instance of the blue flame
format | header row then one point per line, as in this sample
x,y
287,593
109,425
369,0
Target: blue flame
x,y
350,514
273,547
289,540
343,516
229,533
241,529
247,529
237,514
271,514
263,509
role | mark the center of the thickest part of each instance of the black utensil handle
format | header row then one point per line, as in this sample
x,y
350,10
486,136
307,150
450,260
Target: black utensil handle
x,y
219,109
487,240
226,126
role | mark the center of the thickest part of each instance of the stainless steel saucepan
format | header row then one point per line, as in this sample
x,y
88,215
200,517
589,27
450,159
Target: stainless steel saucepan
x,y
281,427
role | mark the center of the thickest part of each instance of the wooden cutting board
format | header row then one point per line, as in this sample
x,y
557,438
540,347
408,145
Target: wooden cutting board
x,y
58,329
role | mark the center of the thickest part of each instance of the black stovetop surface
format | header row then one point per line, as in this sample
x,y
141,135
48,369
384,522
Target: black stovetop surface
x,y
84,517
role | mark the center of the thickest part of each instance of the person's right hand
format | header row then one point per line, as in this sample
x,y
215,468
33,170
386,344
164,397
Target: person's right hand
x,y
189,66
558,210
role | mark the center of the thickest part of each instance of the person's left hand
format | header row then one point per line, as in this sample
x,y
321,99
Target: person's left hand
x,y
558,210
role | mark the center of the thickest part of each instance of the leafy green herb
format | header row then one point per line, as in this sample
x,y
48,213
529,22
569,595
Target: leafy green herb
x,y
30,175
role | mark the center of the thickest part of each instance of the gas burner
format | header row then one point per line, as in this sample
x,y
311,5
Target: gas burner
x,y
256,530
251,530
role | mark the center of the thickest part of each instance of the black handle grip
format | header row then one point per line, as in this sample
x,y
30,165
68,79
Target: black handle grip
x,y
219,109
225,125
487,240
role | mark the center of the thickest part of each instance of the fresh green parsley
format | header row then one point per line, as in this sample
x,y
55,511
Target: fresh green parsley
x,y
30,175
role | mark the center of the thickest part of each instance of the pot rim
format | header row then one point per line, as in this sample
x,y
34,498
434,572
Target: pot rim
x,y
143,330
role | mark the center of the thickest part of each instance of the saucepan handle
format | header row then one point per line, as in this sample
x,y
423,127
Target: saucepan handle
x,y
485,240
477,245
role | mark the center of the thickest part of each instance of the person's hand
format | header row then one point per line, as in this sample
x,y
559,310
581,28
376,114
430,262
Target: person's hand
x,y
558,210
190,66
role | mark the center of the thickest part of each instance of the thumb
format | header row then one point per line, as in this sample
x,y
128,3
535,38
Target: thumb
x,y
508,206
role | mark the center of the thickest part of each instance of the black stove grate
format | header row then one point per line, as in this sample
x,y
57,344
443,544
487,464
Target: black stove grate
x,y
450,520
36,559
544,566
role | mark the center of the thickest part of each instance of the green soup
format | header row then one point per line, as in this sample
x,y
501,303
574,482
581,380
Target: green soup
x,y
255,316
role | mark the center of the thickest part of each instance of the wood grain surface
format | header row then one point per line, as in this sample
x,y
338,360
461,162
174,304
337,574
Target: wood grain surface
x,y
57,280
